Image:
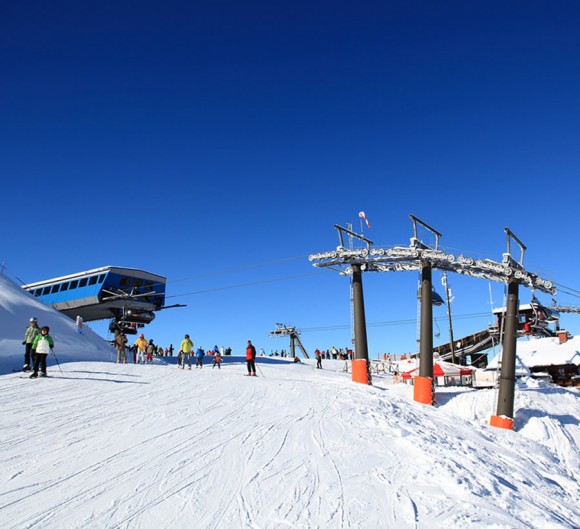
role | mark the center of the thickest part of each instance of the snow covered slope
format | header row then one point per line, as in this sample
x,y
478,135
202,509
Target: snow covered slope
x,y
149,446
103,445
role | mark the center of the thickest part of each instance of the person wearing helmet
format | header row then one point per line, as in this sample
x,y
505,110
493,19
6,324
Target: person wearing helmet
x,y
32,331
185,350
41,346
141,344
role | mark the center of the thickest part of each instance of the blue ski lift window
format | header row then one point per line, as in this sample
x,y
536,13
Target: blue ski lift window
x,y
38,292
101,278
46,291
93,280
64,287
83,282
54,288
74,284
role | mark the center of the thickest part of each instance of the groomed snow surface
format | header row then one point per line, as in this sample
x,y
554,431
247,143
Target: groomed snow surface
x,y
105,445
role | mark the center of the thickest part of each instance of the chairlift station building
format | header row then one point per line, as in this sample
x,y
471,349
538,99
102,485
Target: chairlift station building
x,y
127,295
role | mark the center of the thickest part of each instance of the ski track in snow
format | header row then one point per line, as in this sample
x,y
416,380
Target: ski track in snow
x,y
124,446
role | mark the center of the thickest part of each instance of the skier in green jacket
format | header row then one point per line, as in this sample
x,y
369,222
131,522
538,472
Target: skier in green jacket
x,y
32,331
42,345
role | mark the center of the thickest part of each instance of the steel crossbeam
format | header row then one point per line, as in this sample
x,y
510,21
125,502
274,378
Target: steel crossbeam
x,y
404,259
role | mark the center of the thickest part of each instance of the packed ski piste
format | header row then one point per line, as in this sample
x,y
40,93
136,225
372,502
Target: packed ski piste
x,y
106,442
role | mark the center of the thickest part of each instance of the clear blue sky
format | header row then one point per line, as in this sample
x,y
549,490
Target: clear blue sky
x,y
216,143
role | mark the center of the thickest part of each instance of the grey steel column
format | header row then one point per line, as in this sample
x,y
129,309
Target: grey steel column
x,y
426,345
507,380
361,351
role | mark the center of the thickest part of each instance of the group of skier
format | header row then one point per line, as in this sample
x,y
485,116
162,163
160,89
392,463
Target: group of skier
x,y
38,343
186,351
143,350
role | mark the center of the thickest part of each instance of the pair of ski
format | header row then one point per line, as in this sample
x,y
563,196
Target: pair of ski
x,y
27,376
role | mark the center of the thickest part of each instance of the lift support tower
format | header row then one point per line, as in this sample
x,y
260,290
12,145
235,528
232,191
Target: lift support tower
x,y
282,330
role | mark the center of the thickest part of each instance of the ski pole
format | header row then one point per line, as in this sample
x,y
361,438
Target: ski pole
x,y
261,374
57,362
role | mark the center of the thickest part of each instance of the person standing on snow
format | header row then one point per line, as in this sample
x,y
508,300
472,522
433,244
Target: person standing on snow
x,y
41,346
199,354
120,345
217,360
251,359
318,356
32,331
185,352
141,344
151,350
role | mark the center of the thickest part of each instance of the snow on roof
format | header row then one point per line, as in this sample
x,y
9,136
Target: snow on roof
x,y
535,352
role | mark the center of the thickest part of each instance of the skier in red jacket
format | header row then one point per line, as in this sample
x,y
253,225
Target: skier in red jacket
x,y
251,359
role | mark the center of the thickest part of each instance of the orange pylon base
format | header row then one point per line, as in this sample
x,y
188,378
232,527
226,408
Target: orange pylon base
x,y
423,390
359,371
501,422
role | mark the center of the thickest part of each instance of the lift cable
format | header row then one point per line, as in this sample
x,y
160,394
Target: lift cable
x,y
240,285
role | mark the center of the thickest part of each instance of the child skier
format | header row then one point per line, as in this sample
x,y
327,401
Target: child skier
x,y
150,351
41,346
217,360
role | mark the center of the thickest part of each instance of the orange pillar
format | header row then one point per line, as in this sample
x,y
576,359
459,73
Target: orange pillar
x,y
359,371
502,422
423,390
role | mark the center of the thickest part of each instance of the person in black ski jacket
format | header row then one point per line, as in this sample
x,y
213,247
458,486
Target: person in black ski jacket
x,y
251,358
318,356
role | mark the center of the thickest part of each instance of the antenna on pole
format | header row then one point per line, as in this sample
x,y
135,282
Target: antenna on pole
x,y
449,319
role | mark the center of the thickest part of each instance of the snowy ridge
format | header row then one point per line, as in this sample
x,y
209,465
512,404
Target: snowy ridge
x,y
17,306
